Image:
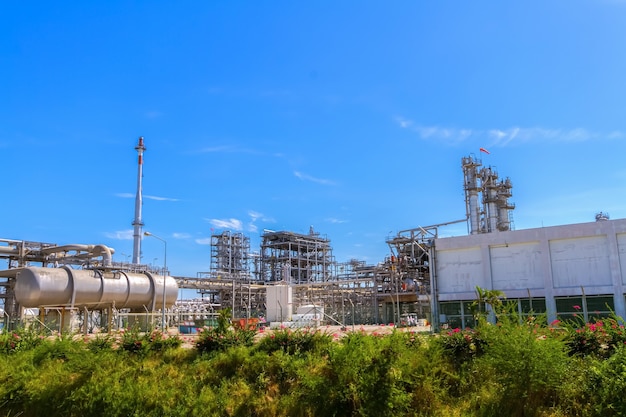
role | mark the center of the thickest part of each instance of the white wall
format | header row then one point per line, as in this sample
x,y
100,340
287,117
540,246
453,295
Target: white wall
x,y
462,269
517,266
279,302
543,262
582,261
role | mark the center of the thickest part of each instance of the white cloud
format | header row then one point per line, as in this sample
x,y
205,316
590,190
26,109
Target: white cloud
x,y
306,177
152,197
404,123
254,216
121,234
204,241
181,235
503,137
335,221
223,148
149,197
234,224
231,149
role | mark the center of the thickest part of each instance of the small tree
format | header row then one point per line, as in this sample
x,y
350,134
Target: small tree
x,y
223,320
487,297
222,337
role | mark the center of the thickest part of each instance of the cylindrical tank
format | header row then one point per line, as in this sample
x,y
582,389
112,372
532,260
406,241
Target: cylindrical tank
x,y
38,287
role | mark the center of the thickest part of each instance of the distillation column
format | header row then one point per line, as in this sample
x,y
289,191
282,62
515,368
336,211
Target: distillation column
x,y
472,188
504,206
489,179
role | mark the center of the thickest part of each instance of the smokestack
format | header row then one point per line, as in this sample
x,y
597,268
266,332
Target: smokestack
x,y
137,223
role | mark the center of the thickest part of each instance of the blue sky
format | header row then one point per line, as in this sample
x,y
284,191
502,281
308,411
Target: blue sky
x,y
350,116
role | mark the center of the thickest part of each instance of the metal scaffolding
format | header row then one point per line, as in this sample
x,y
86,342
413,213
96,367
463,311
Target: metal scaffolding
x,y
295,258
230,254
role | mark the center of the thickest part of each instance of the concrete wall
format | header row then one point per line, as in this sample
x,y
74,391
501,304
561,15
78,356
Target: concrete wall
x,y
279,303
543,262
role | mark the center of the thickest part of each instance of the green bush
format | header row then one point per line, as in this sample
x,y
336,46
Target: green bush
x,y
462,346
515,368
599,338
223,337
523,367
100,342
293,342
604,382
159,342
19,340
138,342
214,340
361,376
132,340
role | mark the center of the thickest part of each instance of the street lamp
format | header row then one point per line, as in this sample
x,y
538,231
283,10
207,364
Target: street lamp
x,y
164,272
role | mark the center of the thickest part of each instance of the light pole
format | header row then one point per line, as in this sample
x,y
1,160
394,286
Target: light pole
x,y
163,323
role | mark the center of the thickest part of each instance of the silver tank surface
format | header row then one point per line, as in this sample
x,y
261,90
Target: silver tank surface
x,y
38,287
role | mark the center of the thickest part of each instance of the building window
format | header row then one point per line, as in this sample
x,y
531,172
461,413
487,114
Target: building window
x,y
568,308
599,306
456,314
461,313
531,306
585,307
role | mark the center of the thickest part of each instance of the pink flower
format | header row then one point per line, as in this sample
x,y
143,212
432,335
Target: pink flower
x,y
555,322
576,307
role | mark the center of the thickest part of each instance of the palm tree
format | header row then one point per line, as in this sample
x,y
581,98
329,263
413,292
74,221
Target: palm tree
x,y
485,296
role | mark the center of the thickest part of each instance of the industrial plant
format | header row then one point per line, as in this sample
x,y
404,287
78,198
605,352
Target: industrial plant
x,y
293,279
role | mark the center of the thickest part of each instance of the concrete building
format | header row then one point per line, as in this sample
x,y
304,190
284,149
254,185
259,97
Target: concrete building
x,y
560,270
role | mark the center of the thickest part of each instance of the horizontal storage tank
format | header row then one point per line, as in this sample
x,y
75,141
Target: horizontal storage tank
x,y
38,287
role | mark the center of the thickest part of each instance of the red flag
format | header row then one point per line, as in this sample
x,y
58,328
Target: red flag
x,y
485,151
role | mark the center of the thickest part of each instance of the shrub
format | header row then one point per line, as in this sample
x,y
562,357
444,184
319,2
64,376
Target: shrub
x,y
362,376
462,346
100,342
133,341
19,340
137,342
158,342
522,366
599,338
60,348
222,337
213,340
605,381
294,342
